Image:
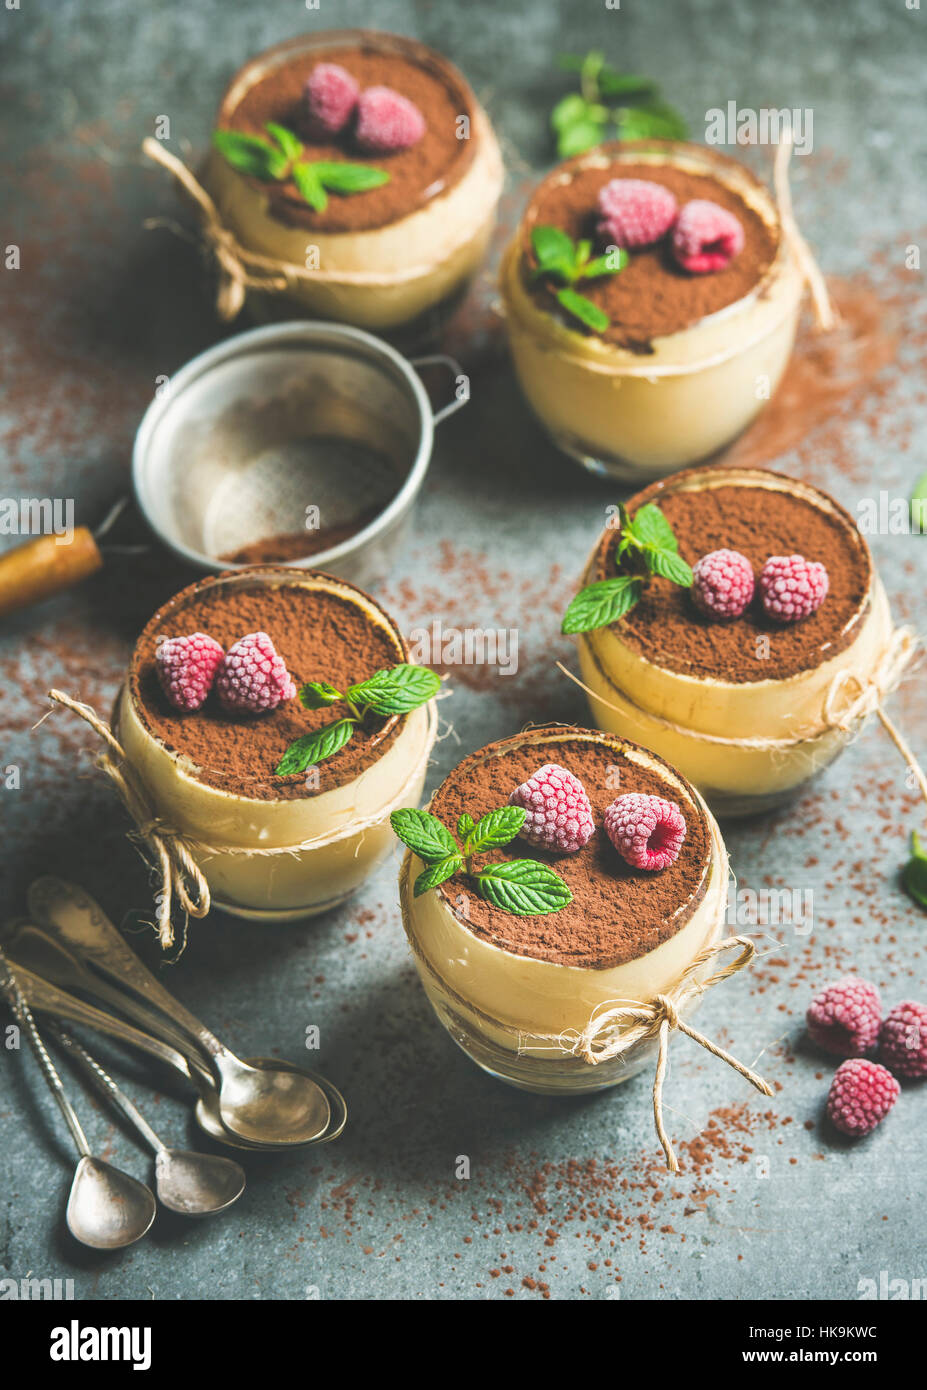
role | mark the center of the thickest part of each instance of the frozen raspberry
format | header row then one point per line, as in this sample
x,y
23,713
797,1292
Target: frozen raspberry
x,y
903,1039
252,676
646,830
844,1018
723,584
330,97
558,814
187,668
387,121
635,212
861,1094
706,237
792,587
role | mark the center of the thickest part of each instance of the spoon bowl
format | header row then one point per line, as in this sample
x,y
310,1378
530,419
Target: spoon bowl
x,y
195,1184
210,1122
108,1209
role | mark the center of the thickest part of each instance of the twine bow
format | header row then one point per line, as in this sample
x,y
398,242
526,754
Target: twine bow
x,y
825,314
642,1023
168,850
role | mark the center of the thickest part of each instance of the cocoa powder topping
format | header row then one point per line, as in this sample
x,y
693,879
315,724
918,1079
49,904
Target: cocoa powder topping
x,y
618,913
426,170
761,518
319,634
651,297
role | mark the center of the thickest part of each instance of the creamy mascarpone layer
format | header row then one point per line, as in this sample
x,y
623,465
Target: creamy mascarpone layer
x,y
697,390
404,268
540,997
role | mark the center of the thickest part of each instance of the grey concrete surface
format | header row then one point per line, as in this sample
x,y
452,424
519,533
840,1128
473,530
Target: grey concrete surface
x,y
563,1197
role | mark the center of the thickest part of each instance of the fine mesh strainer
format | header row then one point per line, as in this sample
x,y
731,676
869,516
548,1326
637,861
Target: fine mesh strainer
x,y
295,430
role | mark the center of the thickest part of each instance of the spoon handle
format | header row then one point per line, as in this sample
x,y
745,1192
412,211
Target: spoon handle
x,y
72,915
49,999
22,1011
105,1083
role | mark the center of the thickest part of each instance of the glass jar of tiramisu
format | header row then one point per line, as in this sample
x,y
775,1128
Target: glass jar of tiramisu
x,y
394,215
518,992
748,707
282,826
669,364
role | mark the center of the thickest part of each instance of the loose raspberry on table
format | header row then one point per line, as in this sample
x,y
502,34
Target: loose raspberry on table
x,y
792,587
903,1039
187,668
253,676
329,98
558,813
861,1095
723,583
706,237
844,1018
646,830
635,212
387,121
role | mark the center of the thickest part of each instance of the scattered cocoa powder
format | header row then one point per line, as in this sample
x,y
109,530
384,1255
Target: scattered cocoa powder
x,y
652,297
320,635
759,519
618,913
416,175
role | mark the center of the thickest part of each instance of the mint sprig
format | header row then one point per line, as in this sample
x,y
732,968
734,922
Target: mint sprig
x,y
392,690
524,887
914,874
570,262
609,102
281,158
646,547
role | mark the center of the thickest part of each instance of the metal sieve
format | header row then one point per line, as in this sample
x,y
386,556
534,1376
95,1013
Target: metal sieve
x,y
282,432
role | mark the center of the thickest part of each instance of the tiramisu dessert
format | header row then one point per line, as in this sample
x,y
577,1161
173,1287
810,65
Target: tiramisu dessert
x,y
365,159
274,720
553,874
729,620
651,304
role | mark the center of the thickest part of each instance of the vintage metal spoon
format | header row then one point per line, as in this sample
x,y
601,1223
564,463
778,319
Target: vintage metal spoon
x,y
262,1105
50,999
191,1183
107,1209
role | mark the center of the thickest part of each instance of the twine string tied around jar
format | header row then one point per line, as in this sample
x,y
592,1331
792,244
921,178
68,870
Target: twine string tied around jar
x,y
614,1029
168,850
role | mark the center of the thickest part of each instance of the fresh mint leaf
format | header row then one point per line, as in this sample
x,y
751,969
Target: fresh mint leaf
x,y
579,137
654,121
315,748
568,111
602,603
650,527
396,689
919,505
524,887
583,309
310,186
423,833
437,873
250,154
609,264
495,829
625,84
318,694
914,874
554,250
669,565
340,177
289,143
464,826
